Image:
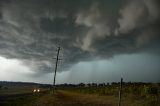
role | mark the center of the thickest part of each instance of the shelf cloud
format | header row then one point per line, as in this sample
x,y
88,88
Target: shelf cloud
x,y
86,30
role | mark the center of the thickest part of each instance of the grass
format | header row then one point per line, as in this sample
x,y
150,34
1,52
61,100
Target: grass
x,y
79,96
66,98
24,99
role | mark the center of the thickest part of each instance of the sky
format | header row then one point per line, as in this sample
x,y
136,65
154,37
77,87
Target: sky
x,y
101,40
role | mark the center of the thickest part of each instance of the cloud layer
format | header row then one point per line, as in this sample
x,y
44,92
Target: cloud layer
x,y
85,30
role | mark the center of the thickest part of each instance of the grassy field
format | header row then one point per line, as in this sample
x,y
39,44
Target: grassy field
x,y
82,96
68,98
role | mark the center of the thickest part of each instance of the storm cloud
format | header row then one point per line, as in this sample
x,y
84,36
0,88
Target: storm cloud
x,y
86,30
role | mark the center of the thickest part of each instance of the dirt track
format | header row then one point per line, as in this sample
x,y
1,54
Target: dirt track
x,y
62,98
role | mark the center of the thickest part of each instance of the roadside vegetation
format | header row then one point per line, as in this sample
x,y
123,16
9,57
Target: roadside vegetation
x,y
133,94
137,94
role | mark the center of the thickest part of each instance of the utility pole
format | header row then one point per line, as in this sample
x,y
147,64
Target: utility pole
x,y
120,92
54,80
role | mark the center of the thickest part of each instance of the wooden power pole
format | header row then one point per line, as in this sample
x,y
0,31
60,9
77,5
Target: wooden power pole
x,y
120,92
54,80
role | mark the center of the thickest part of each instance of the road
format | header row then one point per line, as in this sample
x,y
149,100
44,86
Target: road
x,y
63,98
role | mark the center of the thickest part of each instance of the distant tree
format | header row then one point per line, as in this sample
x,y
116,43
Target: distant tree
x,y
0,87
115,83
81,85
101,84
94,84
88,84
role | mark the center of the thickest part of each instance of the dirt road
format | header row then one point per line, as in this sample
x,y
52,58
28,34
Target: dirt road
x,y
63,98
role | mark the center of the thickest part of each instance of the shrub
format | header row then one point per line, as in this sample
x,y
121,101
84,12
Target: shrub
x,y
151,90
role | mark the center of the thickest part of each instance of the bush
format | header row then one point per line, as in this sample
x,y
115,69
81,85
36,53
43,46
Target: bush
x,y
151,90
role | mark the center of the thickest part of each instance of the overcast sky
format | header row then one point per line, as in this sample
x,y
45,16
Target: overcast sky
x,y
100,40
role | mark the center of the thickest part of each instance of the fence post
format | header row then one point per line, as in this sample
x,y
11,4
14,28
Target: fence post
x,y
120,92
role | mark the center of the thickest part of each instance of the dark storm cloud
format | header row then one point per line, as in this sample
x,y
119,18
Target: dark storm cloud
x,y
85,29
